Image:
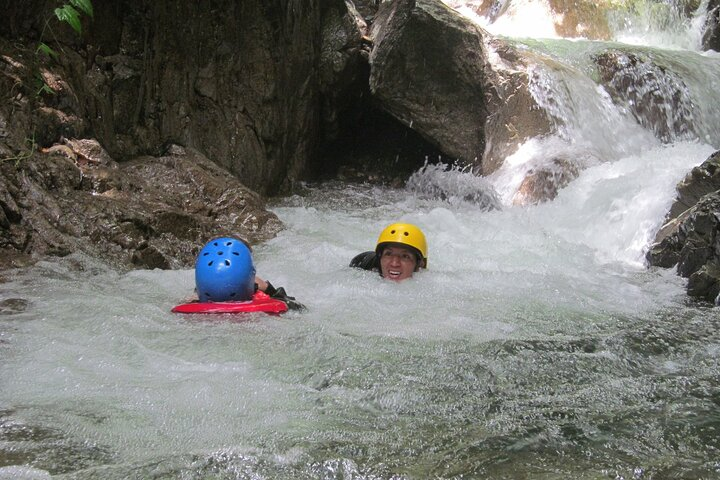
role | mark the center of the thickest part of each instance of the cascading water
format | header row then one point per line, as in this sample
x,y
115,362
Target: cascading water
x,y
536,345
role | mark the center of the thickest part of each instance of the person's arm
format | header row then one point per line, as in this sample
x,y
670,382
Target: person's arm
x,y
278,294
366,261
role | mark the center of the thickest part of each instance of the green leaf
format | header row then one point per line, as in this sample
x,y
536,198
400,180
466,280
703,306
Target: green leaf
x,y
68,14
45,89
44,48
84,6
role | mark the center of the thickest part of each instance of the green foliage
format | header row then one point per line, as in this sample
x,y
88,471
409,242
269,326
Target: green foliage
x,y
85,6
42,87
70,13
44,48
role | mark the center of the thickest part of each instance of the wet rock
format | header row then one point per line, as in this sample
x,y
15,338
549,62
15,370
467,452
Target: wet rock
x,y
89,152
701,180
711,34
418,75
705,282
582,19
173,149
344,68
235,80
150,258
367,9
543,184
53,123
431,69
147,213
657,98
690,242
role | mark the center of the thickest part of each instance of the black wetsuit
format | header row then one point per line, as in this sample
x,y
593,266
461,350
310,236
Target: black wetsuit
x,y
366,261
280,294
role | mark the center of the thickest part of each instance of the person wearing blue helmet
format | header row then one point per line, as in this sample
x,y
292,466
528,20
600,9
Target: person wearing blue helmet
x,y
224,271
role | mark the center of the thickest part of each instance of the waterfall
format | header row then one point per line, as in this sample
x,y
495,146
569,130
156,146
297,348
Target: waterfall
x,y
647,85
666,24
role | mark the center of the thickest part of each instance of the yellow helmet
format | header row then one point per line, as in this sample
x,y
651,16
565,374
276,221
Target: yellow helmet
x,y
405,234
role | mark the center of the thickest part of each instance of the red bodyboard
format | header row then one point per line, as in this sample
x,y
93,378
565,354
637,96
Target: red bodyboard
x,y
261,302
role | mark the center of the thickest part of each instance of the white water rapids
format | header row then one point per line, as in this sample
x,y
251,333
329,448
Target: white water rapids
x,y
536,345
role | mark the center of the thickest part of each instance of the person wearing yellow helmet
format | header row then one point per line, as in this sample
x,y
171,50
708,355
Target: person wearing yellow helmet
x,y
401,250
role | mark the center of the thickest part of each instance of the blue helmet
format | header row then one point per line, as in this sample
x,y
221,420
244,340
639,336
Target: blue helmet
x,y
224,271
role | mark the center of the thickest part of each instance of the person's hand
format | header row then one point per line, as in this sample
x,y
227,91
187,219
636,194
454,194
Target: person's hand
x,y
262,284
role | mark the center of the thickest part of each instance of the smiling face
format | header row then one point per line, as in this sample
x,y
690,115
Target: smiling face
x,y
397,263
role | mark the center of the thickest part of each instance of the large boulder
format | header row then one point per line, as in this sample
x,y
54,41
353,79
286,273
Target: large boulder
x,y
146,213
443,76
701,180
344,69
690,240
427,71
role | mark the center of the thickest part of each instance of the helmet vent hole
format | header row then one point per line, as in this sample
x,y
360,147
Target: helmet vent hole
x,y
210,263
227,262
236,254
206,254
220,252
215,243
392,231
228,243
406,234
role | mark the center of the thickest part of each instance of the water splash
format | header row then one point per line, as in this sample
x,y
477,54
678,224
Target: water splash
x,y
453,184
585,113
669,25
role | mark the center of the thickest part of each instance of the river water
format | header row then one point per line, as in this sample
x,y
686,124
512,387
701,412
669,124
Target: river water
x,y
536,345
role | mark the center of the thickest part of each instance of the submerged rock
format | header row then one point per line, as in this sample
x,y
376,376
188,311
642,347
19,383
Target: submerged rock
x,y
11,306
544,183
